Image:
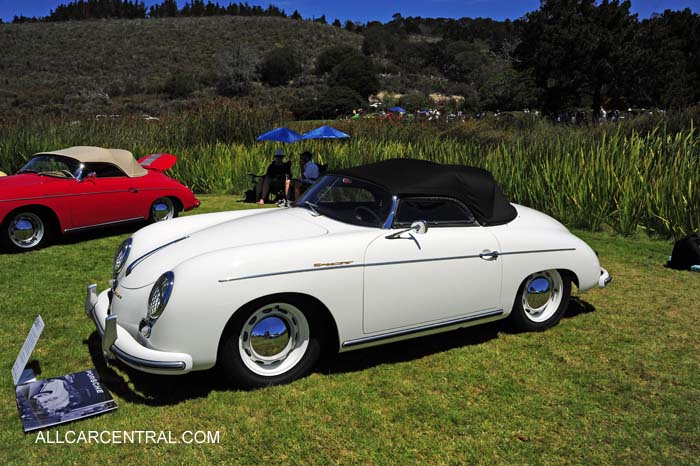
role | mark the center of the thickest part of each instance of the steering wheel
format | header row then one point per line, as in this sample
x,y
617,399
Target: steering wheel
x,y
67,173
358,213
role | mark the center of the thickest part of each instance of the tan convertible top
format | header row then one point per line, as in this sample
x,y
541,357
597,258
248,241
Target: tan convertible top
x,y
119,157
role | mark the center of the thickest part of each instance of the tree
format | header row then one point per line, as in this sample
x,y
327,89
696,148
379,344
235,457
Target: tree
x,y
296,15
667,63
415,101
334,102
279,66
358,73
238,72
576,50
330,57
336,23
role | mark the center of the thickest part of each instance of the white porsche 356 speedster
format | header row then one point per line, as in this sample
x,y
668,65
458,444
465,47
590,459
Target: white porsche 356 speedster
x,y
369,255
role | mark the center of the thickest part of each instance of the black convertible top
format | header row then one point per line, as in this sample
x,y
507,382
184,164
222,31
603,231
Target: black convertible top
x,y
475,187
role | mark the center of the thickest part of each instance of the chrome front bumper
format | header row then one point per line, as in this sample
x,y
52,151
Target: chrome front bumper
x,y
117,342
605,278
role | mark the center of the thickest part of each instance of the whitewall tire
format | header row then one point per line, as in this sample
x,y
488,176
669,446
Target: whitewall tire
x,y
541,301
271,342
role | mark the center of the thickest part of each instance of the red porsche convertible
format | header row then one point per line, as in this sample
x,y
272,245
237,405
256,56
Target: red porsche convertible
x,y
81,188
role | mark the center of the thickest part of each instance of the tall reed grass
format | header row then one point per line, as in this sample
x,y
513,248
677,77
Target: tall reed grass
x,y
609,176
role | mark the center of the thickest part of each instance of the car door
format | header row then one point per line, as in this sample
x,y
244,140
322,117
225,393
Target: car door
x,y
420,279
107,197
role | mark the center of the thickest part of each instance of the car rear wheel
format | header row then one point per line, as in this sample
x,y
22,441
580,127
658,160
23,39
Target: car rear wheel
x,y
26,231
541,300
271,342
162,209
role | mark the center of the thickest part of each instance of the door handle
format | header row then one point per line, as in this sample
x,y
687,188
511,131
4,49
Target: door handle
x,y
489,255
133,190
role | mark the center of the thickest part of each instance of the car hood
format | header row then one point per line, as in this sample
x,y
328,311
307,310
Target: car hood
x,y
15,186
266,227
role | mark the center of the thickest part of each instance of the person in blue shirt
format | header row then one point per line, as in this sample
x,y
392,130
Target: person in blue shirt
x,y
309,175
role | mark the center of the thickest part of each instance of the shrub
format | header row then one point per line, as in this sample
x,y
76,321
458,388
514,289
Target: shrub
x,y
416,101
279,66
331,57
358,73
180,84
334,102
238,71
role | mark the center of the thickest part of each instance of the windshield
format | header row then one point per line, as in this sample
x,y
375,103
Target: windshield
x,y
53,165
348,200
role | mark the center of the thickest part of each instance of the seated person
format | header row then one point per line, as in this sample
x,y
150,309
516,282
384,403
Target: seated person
x,y
309,175
277,171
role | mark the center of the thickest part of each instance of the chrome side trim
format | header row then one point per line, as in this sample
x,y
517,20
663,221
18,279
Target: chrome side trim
x,y
133,265
512,253
272,274
99,225
378,264
165,188
423,328
63,195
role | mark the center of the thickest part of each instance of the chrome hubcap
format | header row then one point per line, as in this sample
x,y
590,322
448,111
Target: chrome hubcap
x,y
269,337
162,209
274,339
542,295
26,230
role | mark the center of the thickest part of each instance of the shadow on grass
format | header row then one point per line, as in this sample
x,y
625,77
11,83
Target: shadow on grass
x,y
87,235
150,389
99,233
158,390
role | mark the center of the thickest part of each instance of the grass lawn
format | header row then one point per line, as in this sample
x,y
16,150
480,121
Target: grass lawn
x,y
616,382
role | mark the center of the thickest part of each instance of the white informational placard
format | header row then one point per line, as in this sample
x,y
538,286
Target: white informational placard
x,y
27,348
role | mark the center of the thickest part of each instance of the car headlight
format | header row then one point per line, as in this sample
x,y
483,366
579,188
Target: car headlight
x,y
121,256
160,294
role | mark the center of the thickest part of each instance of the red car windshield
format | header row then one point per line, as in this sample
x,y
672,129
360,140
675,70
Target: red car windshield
x,y
53,165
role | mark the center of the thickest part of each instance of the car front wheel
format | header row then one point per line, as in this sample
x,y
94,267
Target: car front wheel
x,y
271,342
25,231
541,301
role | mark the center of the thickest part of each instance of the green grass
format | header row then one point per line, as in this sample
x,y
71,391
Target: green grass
x,y
616,382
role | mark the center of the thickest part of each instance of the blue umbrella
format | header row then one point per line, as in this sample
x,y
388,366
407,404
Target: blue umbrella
x,y
397,109
280,135
325,132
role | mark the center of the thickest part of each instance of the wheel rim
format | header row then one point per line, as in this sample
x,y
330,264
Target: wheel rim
x,y
26,230
542,295
274,339
162,209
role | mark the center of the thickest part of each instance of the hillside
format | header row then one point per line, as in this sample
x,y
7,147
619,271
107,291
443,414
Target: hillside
x,y
114,66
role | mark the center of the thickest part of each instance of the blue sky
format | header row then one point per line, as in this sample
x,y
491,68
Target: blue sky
x,y
366,10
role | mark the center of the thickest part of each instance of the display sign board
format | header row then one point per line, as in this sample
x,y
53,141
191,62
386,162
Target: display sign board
x,y
26,352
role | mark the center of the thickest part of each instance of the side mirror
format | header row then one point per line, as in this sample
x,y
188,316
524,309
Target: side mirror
x,y
419,227
90,177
